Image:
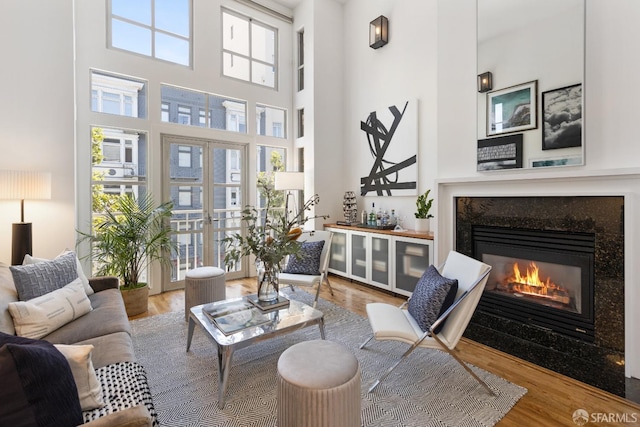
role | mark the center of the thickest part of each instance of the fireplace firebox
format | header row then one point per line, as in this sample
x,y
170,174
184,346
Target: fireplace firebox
x,y
540,278
574,324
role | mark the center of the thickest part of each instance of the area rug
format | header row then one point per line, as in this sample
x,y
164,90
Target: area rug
x,y
427,389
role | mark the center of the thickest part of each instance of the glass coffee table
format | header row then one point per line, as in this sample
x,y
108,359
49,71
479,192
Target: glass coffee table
x,y
235,323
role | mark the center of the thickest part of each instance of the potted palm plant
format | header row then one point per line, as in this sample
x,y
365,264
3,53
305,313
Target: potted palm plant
x,y
127,237
423,206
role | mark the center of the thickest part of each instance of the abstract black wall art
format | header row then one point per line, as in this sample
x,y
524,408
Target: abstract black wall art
x,y
562,117
392,142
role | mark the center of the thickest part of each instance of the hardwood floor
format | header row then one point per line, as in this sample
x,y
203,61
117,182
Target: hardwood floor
x,y
550,401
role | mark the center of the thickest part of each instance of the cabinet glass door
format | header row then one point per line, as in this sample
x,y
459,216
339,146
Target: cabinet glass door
x,y
359,256
412,259
380,260
338,254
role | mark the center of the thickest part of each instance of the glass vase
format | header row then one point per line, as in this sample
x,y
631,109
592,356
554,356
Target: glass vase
x,y
267,282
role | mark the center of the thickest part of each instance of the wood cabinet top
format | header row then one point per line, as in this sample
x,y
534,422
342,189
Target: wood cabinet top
x,y
406,233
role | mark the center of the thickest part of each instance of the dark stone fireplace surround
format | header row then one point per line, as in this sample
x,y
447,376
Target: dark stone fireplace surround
x,y
600,363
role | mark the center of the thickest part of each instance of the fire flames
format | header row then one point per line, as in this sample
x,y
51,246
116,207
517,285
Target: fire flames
x,y
530,284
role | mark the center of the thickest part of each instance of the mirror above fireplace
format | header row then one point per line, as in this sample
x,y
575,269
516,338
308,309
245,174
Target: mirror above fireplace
x,y
534,51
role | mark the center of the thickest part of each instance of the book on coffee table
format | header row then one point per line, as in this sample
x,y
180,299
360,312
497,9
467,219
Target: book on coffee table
x,y
234,316
280,302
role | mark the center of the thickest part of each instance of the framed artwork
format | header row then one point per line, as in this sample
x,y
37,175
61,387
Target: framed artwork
x,y
512,109
562,117
391,144
504,152
556,161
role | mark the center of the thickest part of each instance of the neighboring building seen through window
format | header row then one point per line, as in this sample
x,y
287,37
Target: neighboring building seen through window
x,y
249,49
271,121
157,28
123,96
190,107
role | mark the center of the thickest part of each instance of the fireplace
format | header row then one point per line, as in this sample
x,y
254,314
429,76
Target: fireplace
x,y
542,278
574,246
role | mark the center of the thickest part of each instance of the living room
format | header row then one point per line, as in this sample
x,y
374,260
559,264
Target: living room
x,y
431,57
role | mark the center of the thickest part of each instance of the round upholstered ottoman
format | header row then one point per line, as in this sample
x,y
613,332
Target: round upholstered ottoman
x,y
203,285
318,386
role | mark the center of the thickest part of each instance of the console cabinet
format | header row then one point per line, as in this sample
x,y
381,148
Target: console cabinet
x,y
386,259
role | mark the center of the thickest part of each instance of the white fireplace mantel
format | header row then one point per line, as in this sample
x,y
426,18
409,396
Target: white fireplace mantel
x,y
561,182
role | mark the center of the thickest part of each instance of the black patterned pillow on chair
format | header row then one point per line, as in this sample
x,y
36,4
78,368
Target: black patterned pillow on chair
x,y
307,260
433,295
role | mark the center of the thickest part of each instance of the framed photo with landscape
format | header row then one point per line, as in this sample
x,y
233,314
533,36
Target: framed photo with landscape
x,y
512,109
562,117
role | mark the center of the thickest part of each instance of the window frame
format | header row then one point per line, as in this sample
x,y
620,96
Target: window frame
x,y
276,46
154,31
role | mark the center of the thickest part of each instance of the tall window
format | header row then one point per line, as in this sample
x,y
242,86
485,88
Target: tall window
x,y
190,107
271,121
157,28
113,94
249,49
118,166
300,60
300,122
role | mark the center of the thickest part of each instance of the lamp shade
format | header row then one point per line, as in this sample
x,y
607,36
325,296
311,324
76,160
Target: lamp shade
x,y
289,181
21,185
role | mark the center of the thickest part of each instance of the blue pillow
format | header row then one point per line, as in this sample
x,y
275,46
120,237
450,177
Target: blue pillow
x,y
34,280
37,384
433,295
307,260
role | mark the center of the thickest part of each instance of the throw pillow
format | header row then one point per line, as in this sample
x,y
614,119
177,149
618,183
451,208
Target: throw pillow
x,y
89,389
427,301
34,280
40,316
307,260
28,259
37,385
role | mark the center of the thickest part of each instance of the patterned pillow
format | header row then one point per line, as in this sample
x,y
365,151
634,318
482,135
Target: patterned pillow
x,y
427,302
34,280
37,384
42,315
307,260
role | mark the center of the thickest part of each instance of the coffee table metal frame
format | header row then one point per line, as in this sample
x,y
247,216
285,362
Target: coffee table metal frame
x,y
296,316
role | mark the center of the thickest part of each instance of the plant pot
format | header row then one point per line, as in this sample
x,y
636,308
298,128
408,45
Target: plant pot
x,y
135,300
422,225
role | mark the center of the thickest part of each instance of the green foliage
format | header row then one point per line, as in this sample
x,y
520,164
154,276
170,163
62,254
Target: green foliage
x,y
423,205
266,179
130,235
269,234
99,199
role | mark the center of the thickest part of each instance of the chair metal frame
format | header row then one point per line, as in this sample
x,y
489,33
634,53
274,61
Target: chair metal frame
x,y
311,279
480,282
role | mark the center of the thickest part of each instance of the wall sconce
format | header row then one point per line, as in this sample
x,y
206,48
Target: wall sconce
x,y
21,185
485,82
379,32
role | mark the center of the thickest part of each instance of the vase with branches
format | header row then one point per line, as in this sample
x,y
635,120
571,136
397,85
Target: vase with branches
x,y
270,235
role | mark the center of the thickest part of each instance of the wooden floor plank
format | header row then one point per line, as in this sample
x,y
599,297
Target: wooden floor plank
x,y
551,400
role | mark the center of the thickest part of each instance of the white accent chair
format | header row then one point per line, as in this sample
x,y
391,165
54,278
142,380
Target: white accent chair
x,y
312,279
389,322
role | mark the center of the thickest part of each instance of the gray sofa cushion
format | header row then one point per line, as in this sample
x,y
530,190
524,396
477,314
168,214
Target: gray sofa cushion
x,y
109,349
108,316
34,280
7,294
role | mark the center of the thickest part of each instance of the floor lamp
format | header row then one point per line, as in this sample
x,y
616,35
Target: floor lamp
x,y
289,181
21,185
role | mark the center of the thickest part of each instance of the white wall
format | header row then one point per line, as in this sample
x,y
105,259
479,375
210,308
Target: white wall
x,y
404,69
36,118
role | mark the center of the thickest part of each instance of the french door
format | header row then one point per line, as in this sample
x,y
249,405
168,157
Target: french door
x,y
206,180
